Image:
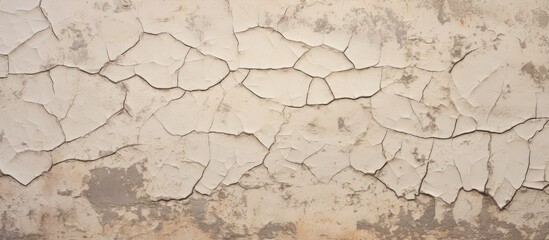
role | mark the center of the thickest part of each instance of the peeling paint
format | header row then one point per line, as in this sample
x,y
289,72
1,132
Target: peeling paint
x,y
270,119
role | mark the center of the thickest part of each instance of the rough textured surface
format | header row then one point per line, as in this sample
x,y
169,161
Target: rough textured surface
x,y
139,119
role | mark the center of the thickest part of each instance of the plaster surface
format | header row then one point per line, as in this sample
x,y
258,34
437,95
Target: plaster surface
x,y
260,119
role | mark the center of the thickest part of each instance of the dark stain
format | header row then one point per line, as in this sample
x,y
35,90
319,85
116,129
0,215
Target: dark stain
x,y
123,6
112,190
223,107
268,19
522,44
397,26
407,79
542,17
271,230
312,124
432,126
323,25
66,192
79,43
417,157
192,20
441,15
102,153
9,230
197,208
114,186
341,125
405,226
539,74
461,8
458,46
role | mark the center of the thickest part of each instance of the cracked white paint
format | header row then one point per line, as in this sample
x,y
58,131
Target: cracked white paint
x,y
354,83
288,87
201,72
407,164
427,102
319,92
155,58
4,68
460,162
321,61
256,43
19,21
232,156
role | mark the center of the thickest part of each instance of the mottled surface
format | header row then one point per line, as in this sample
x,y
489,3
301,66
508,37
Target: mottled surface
x,y
208,119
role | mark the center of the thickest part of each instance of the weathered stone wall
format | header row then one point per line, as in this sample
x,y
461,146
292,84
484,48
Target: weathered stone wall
x,y
211,119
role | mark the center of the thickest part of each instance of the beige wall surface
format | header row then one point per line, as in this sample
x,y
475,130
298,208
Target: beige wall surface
x,y
274,119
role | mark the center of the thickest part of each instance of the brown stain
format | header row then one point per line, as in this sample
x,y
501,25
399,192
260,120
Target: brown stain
x,y
539,74
541,17
302,231
114,186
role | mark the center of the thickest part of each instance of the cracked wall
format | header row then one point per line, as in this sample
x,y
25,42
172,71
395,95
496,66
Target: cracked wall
x,y
140,119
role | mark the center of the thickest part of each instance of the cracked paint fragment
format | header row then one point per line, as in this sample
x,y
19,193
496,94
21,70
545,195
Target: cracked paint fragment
x,y
321,61
39,53
321,137
355,83
364,50
27,165
308,22
81,36
433,116
245,14
542,102
231,157
256,43
142,102
328,161
464,125
26,130
494,94
408,82
19,21
201,72
26,126
288,87
56,97
243,112
202,24
367,152
122,129
456,163
319,92
106,26
155,58
530,128
195,110
175,164
192,112
407,161
4,66
538,170
508,164
95,100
